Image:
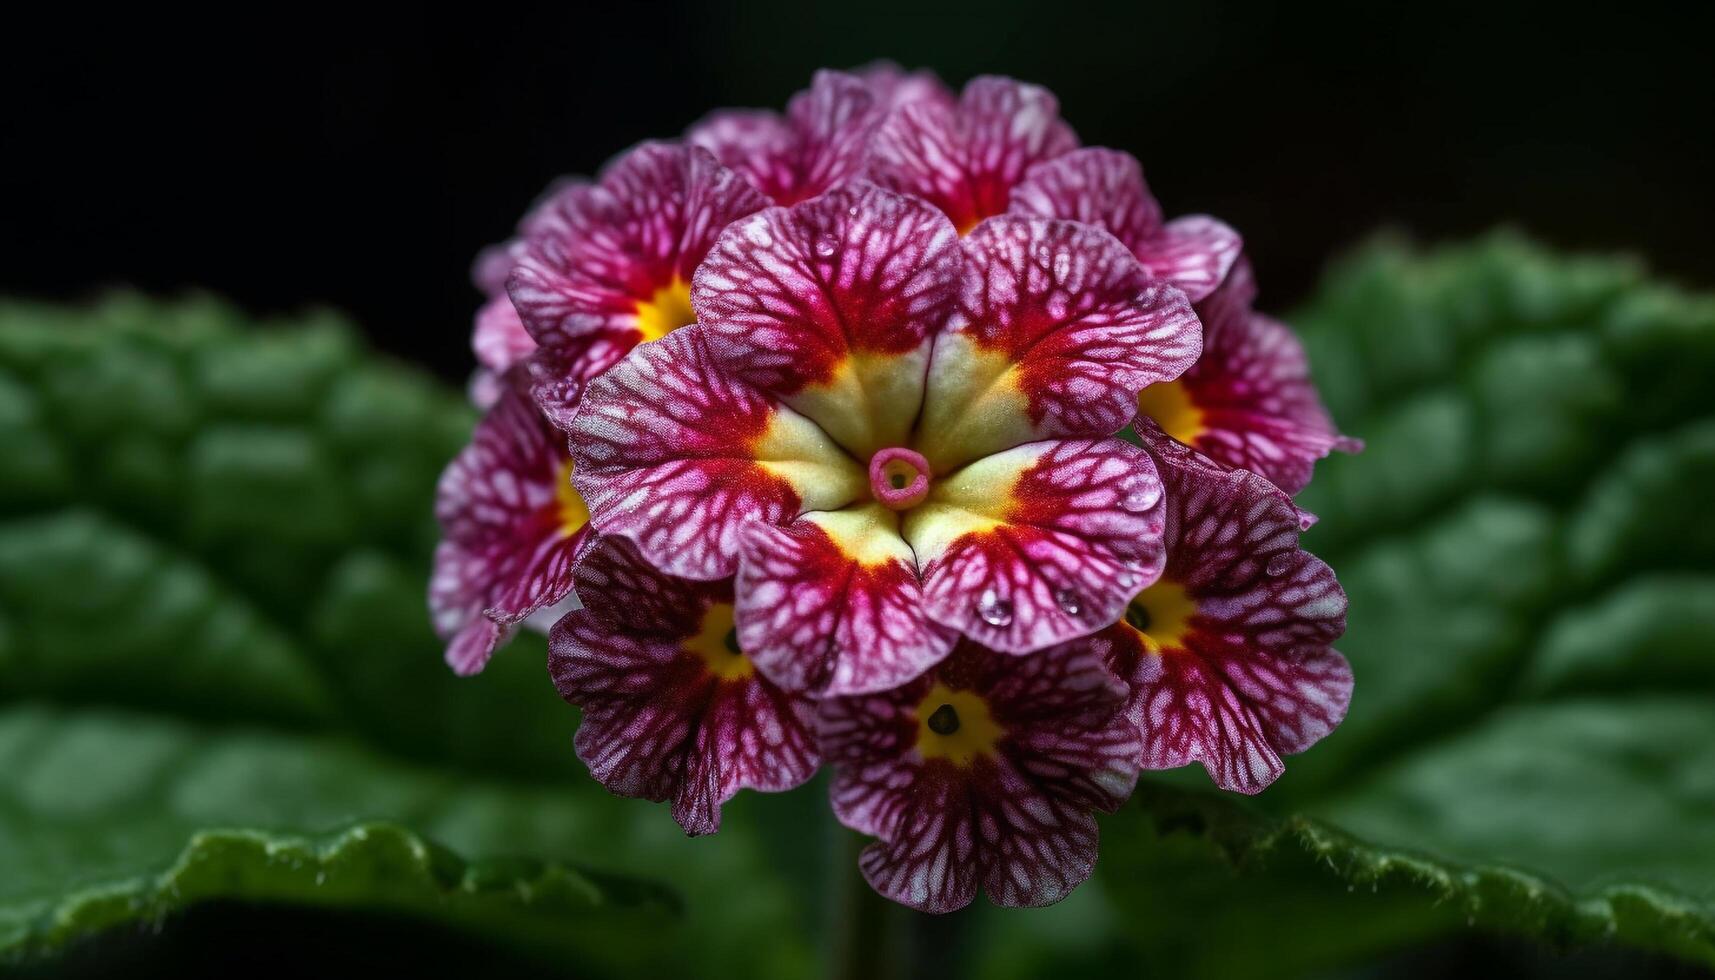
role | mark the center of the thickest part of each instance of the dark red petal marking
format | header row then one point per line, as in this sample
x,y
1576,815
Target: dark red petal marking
x,y
1058,330
1249,401
1013,819
512,524
1250,675
595,252
1105,188
821,141
663,719
831,604
965,159
678,455
1039,544
832,305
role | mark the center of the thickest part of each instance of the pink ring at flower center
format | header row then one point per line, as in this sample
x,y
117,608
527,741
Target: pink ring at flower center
x,y
899,478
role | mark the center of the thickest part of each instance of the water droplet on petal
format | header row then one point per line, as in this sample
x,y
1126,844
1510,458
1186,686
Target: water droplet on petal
x,y
994,610
826,246
1278,564
1139,500
1068,602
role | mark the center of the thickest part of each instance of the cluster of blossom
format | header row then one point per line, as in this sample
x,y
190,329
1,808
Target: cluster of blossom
x,y
897,432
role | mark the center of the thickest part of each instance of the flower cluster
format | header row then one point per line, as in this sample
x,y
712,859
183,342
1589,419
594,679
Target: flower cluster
x,y
900,433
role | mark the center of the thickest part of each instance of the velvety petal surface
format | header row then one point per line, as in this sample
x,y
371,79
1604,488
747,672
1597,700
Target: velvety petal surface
x,y
1249,401
982,774
966,158
832,305
678,455
820,142
1228,654
1039,544
1058,329
831,604
616,256
1105,188
672,709
512,524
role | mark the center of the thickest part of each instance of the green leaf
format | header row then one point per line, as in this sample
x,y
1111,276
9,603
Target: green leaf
x,y
1531,568
218,680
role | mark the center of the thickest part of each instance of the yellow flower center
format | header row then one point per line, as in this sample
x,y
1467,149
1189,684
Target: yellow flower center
x,y
1170,405
573,514
1161,614
666,311
955,725
716,643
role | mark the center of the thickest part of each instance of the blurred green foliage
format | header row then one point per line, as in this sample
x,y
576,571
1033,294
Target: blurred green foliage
x,y
217,677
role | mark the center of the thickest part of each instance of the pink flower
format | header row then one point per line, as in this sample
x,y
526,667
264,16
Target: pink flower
x,y
512,523
1228,653
983,773
673,709
897,430
849,347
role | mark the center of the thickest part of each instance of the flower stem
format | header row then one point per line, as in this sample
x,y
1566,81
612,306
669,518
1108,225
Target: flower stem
x,y
867,929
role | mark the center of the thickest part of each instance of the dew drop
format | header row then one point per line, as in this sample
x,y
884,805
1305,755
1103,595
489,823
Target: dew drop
x,y
1139,500
994,610
1068,602
1278,565
826,246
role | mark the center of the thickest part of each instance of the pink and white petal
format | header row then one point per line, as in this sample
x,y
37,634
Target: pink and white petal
x,y
930,862
1039,544
757,143
893,86
499,338
658,723
1194,253
832,305
1095,186
831,604
678,455
543,578
966,159
820,142
1059,328
595,252
865,736
473,646
1260,410
558,375
1235,711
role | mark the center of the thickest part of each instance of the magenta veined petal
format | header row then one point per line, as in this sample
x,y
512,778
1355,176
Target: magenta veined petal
x,y
512,526
832,306
1229,653
677,454
1105,188
966,158
1249,401
1057,331
820,142
983,774
673,708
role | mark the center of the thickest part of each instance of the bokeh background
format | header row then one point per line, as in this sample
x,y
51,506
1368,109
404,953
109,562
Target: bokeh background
x,y
297,157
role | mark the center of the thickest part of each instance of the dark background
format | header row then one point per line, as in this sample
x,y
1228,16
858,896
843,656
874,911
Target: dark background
x,y
301,156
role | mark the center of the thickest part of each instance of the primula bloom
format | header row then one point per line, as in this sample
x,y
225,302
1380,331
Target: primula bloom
x,y
673,709
605,266
512,524
918,440
983,773
894,436
1228,652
